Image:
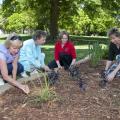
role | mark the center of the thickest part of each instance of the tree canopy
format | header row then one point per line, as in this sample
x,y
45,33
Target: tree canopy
x,y
76,16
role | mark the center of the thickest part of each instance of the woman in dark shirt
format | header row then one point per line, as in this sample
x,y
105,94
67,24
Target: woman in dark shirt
x,y
114,52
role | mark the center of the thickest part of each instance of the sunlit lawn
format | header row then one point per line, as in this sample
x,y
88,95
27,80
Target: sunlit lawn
x,y
82,51
50,54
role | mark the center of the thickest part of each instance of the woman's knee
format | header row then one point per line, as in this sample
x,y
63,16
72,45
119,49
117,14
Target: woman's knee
x,y
43,55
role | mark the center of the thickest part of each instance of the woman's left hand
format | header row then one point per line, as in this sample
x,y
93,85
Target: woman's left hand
x,y
73,62
46,68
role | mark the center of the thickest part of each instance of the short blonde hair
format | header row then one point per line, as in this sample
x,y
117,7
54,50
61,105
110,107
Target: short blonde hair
x,y
13,40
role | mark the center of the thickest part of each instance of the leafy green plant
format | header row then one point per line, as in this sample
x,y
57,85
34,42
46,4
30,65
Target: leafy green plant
x,y
96,52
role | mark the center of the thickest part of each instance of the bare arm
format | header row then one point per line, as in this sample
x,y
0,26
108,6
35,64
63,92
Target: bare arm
x,y
13,82
84,60
73,61
116,69
108,64
58,64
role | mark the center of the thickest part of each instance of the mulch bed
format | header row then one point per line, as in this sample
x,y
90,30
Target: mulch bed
x,y
93,104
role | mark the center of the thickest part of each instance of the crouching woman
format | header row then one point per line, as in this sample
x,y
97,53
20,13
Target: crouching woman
x,y
113,70
64,54
9,66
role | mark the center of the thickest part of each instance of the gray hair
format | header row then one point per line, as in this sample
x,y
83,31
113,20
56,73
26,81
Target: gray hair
x,y
63,33
114,31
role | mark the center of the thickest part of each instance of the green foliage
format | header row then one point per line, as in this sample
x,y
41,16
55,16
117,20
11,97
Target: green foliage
x,y
1,18
96,53
79,21
78,40
84,17
21,21
101,22
15,22
105,52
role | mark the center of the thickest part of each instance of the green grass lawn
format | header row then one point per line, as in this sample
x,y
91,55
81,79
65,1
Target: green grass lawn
x,y
82,51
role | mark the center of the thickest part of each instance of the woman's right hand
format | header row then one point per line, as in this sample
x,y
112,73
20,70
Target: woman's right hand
x,y
111,76
58,64
59,67
25,89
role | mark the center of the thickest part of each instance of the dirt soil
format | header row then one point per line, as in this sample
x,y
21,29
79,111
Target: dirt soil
x,y
93,104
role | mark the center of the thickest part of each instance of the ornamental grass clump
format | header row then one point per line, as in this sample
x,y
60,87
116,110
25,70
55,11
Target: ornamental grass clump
x,y
44,93
96,52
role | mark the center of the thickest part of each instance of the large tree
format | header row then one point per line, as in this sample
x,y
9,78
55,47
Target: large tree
x,y
52,15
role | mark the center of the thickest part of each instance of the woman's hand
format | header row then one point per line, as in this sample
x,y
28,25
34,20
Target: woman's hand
x,y
10,80
46,68
59,67
25,89
73,62
58,64
111,76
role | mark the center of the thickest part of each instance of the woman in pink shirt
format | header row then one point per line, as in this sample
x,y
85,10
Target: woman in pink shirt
x,y
9,54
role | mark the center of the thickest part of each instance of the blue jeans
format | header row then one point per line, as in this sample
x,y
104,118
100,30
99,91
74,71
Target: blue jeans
x,y
20,68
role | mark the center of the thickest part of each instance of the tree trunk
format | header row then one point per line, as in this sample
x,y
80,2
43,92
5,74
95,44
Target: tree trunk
x,y
54,15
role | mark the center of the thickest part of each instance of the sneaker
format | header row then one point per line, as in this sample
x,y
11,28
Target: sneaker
x,y
24,75
2,81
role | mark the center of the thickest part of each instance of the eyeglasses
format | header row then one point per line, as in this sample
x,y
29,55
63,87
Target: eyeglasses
x,y
16,38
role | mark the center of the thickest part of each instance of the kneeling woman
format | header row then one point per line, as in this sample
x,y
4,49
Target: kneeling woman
x,y
112,69
9,54
64,54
